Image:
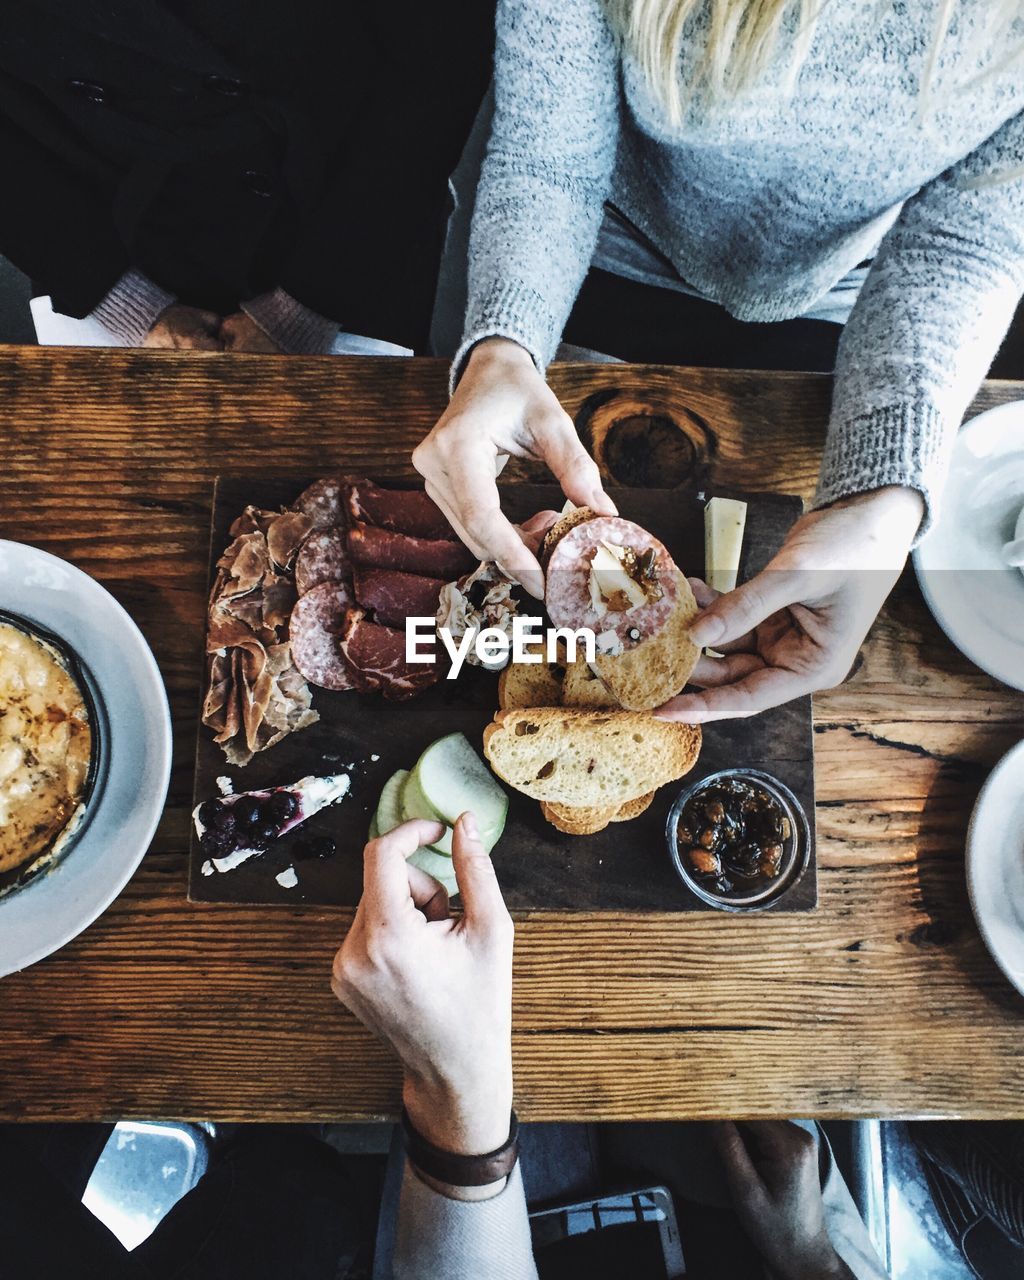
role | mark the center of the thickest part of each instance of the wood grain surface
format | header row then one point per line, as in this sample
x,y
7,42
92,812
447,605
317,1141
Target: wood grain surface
x,y
882,1002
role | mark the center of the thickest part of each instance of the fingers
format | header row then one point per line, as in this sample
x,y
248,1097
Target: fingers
x,y
712,673
574,469
767,687
484,907
744,1180
532,531
429,895
476,516
732,615
386,881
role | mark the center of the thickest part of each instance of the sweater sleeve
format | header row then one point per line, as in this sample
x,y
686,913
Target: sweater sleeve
x,y
462,1240
924,331
130,309
546,174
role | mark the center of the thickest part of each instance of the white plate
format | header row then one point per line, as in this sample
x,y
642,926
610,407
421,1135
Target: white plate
x,y
995,864
135,723
976,597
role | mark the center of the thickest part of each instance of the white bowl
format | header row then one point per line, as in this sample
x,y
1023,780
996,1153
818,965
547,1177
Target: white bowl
x,y
135,725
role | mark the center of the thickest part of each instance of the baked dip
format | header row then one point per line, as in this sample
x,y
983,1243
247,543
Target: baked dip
x,y
46,744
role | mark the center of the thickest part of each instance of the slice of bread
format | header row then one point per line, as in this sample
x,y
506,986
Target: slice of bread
x,y
581,688
643,678
560,528
588,758
578,820
634,808
531,684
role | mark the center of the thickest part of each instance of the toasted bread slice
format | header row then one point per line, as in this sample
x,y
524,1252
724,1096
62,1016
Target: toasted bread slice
x,y
584,758
582,688
578,820
560,528
634,808
531,684
643,678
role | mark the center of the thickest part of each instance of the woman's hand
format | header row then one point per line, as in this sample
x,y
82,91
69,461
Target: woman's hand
x,y
502,407
772,1171
240,333
797,627
182,328
436,990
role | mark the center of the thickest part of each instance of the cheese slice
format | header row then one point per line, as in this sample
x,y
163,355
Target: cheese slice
x,y
608,578
724,522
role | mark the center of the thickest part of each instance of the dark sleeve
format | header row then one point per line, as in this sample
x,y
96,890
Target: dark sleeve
x,y
55,227
369,255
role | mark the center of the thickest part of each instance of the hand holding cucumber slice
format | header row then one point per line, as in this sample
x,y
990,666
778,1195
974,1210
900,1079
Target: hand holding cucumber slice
x,y
448,779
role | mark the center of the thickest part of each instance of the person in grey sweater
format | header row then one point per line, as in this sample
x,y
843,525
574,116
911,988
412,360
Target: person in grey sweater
x,y
876,131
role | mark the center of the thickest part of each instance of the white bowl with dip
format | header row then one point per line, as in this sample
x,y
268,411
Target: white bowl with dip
x,y
53,598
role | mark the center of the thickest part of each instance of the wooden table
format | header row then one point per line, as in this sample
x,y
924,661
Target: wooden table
x,y
883,1002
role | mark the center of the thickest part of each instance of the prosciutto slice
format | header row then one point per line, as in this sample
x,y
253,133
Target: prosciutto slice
x,y
378,654
392,596
385,549
401,510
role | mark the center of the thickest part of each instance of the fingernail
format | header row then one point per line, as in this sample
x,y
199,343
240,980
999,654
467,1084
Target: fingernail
x,y
706,630
469,826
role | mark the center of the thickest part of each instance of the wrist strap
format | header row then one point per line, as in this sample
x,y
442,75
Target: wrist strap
x,y
457,1170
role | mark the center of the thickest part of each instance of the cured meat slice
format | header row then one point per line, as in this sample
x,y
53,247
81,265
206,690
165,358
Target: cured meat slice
x,y
317,624
385,549
378,654
284,536
567,581
392,596
402,510
323,557
322,502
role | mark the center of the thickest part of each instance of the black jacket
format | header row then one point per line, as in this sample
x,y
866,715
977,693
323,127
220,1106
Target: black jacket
x,y
225,147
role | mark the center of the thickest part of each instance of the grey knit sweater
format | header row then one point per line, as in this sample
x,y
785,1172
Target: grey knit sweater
x,y
764,204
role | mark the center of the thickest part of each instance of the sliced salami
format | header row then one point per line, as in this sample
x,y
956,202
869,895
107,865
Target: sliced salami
x,y
392,596
317,624
322,502
567,582
323,557
378,654
385,549
401,510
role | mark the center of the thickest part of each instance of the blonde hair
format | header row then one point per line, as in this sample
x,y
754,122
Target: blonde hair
x,y
743,43
747,38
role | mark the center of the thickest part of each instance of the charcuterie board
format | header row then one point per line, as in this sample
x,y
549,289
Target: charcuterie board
x,y
625,867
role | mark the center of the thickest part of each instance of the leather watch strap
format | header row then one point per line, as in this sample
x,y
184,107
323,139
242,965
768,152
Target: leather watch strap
x,y
457,1170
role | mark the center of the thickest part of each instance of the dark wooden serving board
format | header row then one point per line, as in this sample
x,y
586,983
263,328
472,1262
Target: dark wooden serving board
x,y
626,867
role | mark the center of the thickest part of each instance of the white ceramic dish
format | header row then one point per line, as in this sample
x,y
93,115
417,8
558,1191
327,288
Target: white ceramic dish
x,y
135,727
977,597
995,864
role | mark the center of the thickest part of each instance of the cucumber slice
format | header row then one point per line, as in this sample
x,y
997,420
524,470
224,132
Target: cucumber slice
x,y
450,778
436,865
389,806
389,815
416,805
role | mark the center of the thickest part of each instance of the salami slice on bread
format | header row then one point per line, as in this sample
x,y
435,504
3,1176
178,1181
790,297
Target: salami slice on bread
x,y
645,654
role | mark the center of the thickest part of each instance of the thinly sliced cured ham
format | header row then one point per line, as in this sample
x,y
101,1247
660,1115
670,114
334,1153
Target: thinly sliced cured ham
x,y
385,549
378,654
407,511
392,596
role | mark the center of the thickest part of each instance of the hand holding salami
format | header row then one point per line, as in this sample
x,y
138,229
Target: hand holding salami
x,y
503,408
